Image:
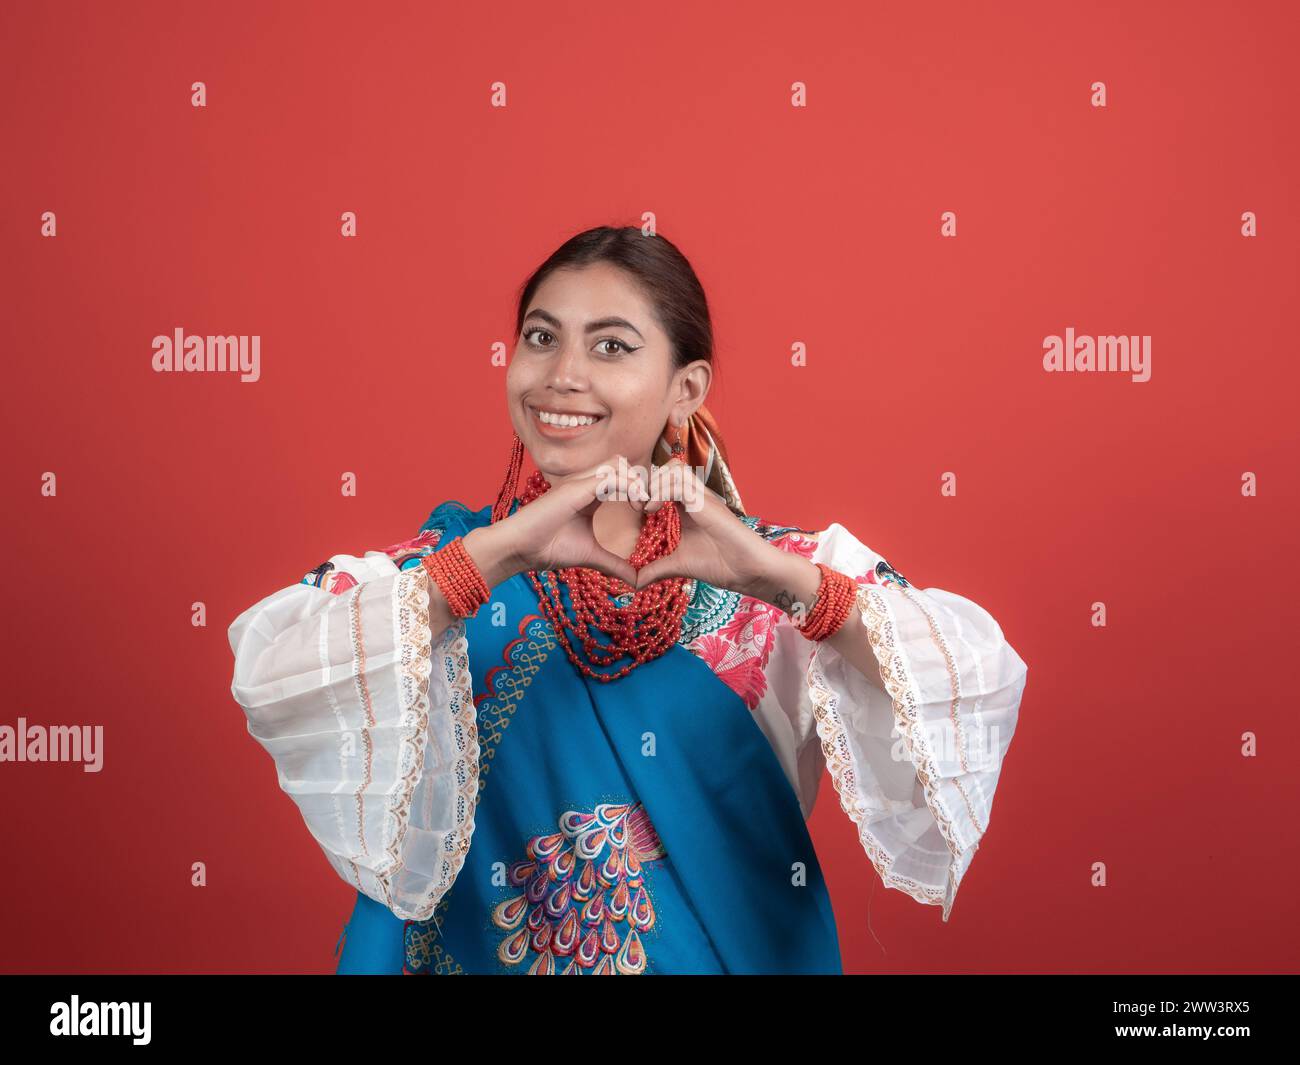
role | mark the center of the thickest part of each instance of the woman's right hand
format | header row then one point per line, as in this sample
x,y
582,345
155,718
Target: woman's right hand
x,y
554,531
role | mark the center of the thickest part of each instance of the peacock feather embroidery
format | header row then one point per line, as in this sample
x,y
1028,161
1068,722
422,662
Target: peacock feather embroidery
x,y
584,907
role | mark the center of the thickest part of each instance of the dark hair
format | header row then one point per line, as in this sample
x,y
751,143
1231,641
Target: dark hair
x,y
677,299
668,280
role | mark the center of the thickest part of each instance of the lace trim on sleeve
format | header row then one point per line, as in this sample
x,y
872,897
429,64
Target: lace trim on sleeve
x,y
452,675
876,617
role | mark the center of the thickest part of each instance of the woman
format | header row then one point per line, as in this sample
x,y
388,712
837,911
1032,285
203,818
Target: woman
x,y
579,731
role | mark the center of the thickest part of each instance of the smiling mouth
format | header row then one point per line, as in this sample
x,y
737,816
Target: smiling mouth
x,y
563,426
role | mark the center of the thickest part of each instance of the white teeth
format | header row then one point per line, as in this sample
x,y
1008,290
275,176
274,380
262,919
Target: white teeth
x,y
565,421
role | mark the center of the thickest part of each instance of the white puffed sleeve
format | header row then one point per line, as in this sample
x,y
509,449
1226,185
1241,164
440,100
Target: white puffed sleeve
x,y
370,722
916,765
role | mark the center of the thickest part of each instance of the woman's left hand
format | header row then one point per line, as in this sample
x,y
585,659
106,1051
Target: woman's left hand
x,y
716,547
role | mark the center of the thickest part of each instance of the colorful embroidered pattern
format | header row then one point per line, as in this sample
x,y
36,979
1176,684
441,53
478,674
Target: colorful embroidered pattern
x,y
735,634
884,573
738,651
409,552
404,555
326,576
506,687
772,532
584,904
708,609
423,955
585,907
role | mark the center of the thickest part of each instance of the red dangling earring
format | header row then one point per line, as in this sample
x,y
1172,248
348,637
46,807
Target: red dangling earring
x,y
678,452
510,487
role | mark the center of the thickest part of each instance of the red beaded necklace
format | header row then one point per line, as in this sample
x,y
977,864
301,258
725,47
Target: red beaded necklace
x,y
645,627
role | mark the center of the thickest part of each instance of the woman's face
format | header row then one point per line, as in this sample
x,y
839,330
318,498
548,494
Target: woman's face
x,y
590,346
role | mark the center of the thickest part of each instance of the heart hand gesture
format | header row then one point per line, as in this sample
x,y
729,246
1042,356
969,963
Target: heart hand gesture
x,y
716,547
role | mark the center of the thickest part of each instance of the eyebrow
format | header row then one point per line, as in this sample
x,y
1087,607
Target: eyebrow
x,y
592,327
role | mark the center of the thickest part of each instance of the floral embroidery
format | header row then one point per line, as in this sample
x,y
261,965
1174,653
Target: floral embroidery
x,y
739,643
332,579
584,900
883,574
738,669
409,552
739,650
773,533
506,686
798,542
735,634
754,622
404,555
709,607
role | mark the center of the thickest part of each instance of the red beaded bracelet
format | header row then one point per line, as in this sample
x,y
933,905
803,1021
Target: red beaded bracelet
x,y
835,596
458,578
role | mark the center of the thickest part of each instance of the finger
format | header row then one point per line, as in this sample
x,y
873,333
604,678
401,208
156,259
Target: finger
x,y
653,502
629,487
590,507
611,565
645,576
638,490
669,485
676,475
661,483
657,570
613,479
594,487
695,493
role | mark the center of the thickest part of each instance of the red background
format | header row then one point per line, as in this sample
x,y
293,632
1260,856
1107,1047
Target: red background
x,y
818,224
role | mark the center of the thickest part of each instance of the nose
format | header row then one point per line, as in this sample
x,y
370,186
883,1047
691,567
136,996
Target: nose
x,y
569,369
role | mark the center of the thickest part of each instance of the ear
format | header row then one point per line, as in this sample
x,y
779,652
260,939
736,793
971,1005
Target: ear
x,y
690,387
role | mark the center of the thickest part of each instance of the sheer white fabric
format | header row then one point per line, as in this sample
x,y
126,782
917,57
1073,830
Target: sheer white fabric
x,y
915,766
370,724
